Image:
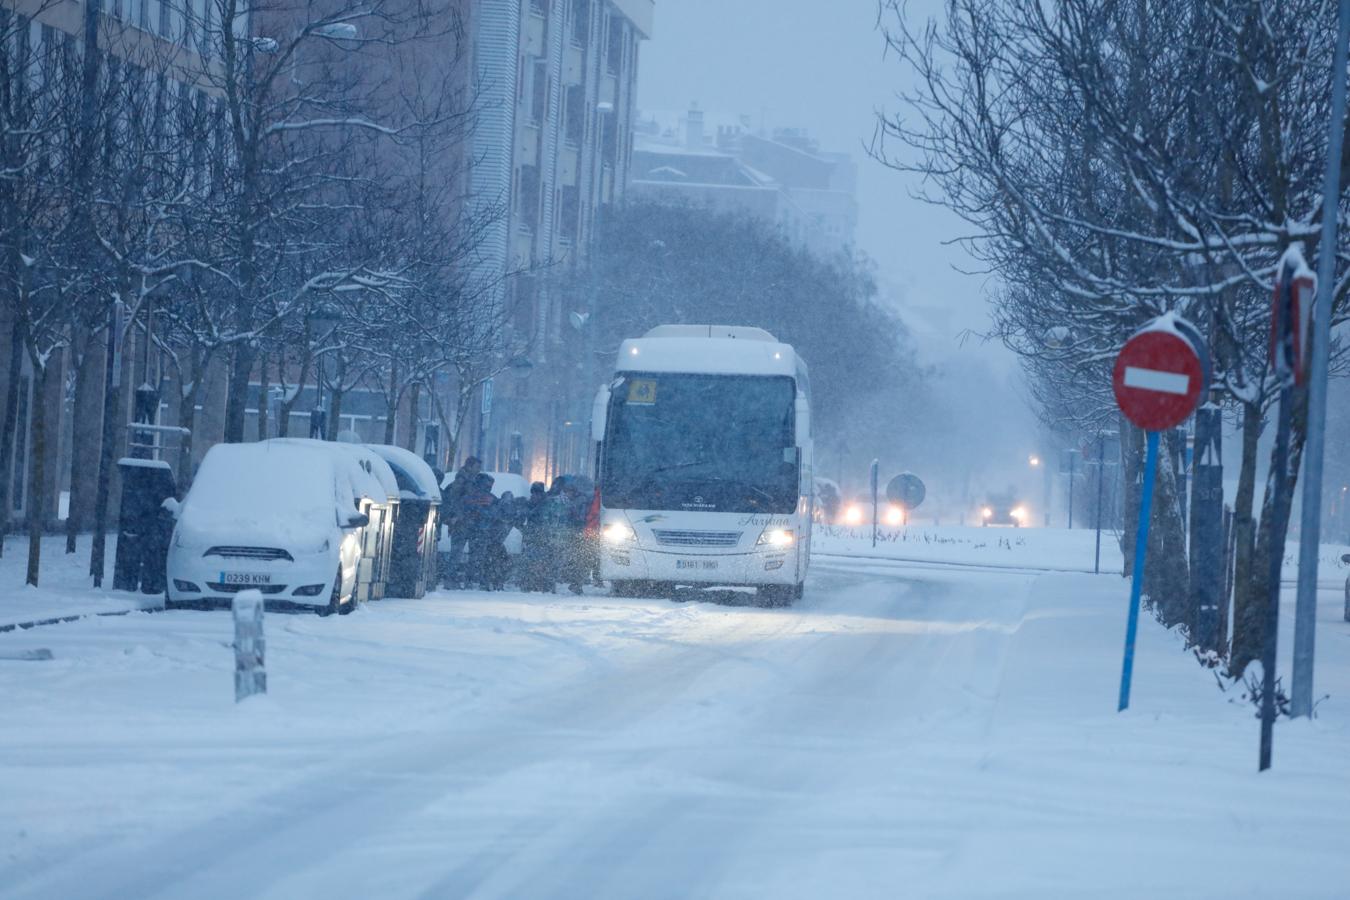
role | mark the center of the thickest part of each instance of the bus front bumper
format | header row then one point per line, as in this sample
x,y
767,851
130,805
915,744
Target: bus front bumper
x,y
634,563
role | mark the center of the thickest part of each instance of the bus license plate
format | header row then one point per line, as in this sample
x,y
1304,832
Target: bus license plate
x,y
245,578
704,564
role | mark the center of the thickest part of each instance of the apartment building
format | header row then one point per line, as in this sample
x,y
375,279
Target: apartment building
x,y
732,164
554,146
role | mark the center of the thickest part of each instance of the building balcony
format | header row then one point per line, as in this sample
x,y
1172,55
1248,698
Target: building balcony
x,y
535,28
527,144
569,164
574,65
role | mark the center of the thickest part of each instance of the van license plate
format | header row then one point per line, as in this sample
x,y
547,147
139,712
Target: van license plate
x,y
705,564
245,578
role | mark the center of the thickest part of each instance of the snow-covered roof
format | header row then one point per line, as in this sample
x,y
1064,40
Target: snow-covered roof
x,y
418,480
369,474
745,355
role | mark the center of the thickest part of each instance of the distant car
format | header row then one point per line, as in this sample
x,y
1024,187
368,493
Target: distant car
x,y
279,517
1003,511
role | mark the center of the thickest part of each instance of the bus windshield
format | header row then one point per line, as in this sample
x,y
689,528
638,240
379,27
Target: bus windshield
x,y
720,443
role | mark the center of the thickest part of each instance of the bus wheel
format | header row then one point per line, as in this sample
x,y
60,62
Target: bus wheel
x,y
623,588
771,595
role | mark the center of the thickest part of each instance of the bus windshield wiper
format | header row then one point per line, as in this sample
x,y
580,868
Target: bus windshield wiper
x,y
687,464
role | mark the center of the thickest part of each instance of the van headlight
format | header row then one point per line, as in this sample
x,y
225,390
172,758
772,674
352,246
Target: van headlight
x,y
619,533
776,537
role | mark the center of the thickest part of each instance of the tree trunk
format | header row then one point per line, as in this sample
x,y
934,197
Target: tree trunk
x,y
415,403
11,426
1248,604
1132,467
83,385
334,413
236,396
37,491
391,417
1166,574
1270,539
264,386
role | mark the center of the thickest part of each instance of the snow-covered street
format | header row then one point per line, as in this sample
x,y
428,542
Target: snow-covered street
x,y
905,730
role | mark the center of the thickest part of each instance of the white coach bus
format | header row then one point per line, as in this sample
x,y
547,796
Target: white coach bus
x,y
704,464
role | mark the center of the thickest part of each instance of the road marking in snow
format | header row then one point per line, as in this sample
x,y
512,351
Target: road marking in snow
x,y
1156,380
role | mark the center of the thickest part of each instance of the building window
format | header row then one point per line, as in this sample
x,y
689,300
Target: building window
x,y
527,209
609,140
581,22
539,89
574,115
539,7
614,52
569,212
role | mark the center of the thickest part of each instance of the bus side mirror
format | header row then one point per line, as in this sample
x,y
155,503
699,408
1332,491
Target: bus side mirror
x,y
600,413
1345,558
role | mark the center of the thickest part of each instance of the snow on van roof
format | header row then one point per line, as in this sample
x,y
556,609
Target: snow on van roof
x,y
265,492
414,468
369,475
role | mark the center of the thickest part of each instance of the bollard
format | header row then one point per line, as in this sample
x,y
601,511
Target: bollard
x,y
249,675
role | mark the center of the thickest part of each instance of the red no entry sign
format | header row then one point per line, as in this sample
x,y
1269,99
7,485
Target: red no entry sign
x,y
1159,376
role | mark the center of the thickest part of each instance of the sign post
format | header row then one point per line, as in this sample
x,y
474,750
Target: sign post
x,y
1305,610
876,468
906,491
1158,379
1206,528
1293,289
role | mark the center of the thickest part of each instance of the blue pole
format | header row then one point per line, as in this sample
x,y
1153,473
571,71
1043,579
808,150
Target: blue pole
x,y
1137,581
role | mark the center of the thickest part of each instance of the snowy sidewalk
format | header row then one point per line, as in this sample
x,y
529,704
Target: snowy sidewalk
x,y
64,593
1044,549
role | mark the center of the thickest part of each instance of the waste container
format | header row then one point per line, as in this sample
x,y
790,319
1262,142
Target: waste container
x,y
144,525
412,568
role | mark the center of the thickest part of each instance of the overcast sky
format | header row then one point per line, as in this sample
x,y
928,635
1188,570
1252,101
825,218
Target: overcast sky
x,y
815,64
818,64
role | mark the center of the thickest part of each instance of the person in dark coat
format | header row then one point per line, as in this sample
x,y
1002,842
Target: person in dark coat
x,y
497,525
455,516
536,565
480,523
566,517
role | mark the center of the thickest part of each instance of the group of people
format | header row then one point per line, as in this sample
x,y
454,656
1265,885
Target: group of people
x,y
559,529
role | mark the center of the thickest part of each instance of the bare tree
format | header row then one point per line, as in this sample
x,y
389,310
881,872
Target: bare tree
x,y
1113,172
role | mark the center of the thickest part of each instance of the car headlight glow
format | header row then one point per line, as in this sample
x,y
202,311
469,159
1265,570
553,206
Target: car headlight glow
x,y
776,537
987,513
895,516
619,533
1019,513
853,515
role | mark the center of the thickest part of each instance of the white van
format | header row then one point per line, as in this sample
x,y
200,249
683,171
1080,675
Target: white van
x,y
276,516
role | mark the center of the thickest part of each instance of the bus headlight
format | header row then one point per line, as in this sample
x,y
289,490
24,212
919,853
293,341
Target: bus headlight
x,y
987,513
619,533
1019,513
853,514
776,537
895,516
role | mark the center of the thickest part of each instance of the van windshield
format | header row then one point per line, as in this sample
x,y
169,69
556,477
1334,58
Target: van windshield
x,y
720,443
